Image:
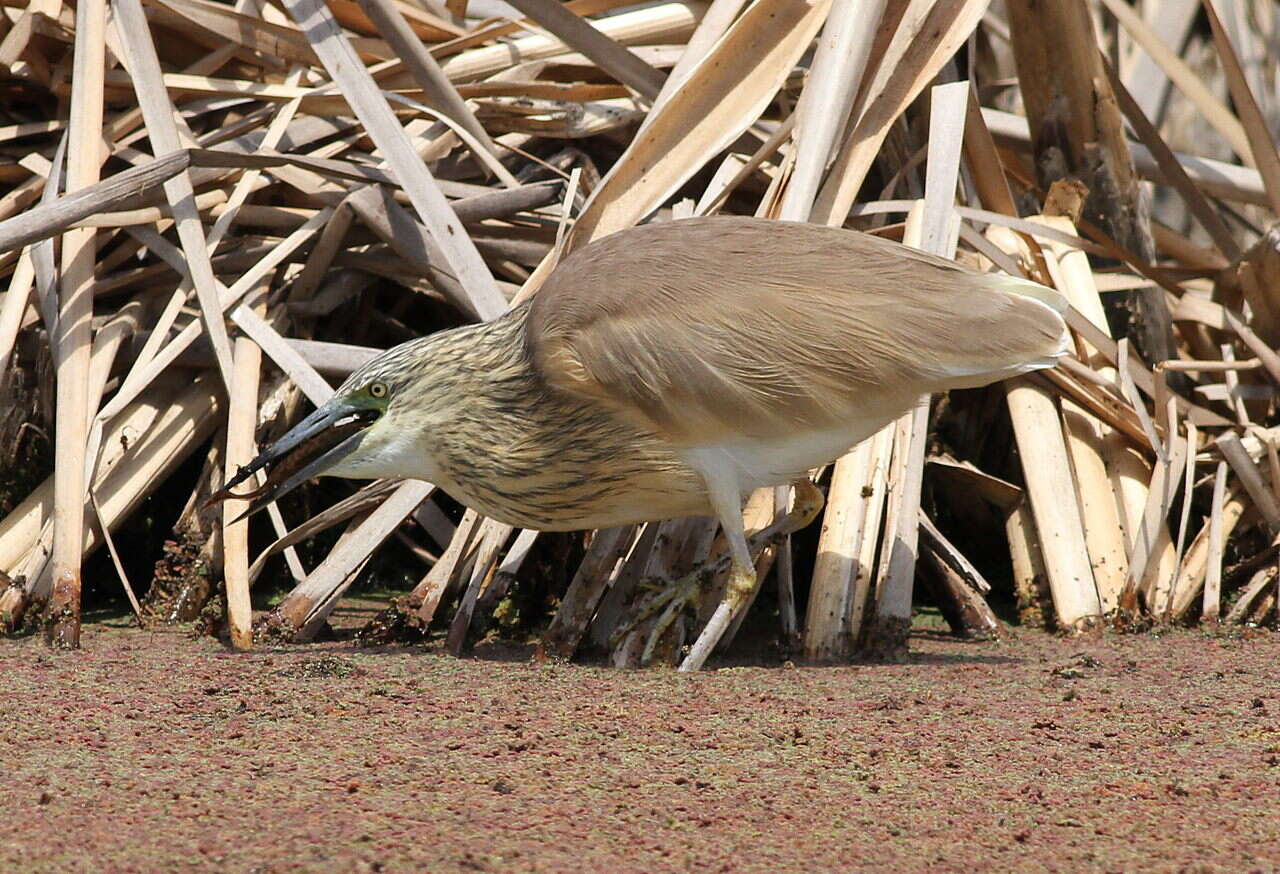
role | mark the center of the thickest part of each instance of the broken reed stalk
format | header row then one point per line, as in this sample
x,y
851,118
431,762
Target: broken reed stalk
x,y
438,90
788,622
933,227
1204,555
507,570
1060,531
493,536
959,589
620,588
171,425
1098,457
612,58
1264,499
11,314
427,596
1037,427
587,587
74,331
242,419
306,608
829,631
1152,530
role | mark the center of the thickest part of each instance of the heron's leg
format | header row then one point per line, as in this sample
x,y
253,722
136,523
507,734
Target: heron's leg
x,y
742,582
742,577
670,599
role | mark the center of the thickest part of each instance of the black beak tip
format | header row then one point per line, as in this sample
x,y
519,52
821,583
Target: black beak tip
x,y
243,472
315,440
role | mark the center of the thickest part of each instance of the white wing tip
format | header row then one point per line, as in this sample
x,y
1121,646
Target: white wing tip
x,y
1051,299
1054,300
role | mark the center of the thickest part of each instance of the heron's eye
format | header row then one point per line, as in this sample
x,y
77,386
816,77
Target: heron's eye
x,y
377,390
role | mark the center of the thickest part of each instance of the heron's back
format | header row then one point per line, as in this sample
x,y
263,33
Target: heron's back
x,y
712,331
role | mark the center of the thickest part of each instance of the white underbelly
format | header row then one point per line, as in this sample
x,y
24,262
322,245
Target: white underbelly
x,y
759,463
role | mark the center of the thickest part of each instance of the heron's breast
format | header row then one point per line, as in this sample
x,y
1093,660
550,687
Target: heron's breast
x,y
565,467
568,497
773,462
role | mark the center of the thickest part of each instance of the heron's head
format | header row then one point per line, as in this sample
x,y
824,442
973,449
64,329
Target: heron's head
x,y
368,428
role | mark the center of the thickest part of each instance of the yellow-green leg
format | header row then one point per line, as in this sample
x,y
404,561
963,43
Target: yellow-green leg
x,y
742,576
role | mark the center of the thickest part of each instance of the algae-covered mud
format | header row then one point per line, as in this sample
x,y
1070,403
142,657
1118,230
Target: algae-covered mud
x,y
148,752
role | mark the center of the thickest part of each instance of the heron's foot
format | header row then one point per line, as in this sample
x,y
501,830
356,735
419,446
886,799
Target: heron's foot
x,y
655,587
806,506
667,601
742,584
684,594
742,581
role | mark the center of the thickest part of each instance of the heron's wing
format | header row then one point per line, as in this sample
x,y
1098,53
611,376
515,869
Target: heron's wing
x,y
710,330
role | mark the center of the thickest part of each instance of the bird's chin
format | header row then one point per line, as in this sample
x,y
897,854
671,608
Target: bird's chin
x,y
355,470
355,464
376,457
387,451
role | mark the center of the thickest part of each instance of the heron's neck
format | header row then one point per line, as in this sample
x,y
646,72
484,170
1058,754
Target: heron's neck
x,y
509,445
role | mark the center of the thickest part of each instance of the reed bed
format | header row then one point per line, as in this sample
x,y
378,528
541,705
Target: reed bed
x,y
211,213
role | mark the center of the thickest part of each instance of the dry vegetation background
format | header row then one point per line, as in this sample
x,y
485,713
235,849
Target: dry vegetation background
x,y
210,213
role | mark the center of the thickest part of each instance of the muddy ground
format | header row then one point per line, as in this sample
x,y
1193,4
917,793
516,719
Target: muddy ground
x,y
157,752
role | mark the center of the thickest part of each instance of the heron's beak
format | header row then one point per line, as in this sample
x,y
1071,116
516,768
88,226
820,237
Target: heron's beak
x,y
310,448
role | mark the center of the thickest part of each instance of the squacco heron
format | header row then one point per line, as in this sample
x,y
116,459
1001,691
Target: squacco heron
x,y
671,369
